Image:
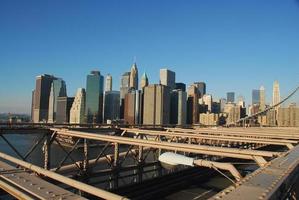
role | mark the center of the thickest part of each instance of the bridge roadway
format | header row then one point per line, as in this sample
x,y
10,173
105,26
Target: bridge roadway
x,y
256,155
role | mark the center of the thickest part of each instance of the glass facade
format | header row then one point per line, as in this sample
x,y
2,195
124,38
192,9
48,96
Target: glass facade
x,y
94,97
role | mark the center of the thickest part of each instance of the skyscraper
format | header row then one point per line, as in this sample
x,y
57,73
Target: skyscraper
x,y
180,86
134,77
64,105
262,98
230,97
111,108
41,97
255,97
156,104
178,107
167,78
108,84
192,105
144,81
58,89
94,97
201,86
132,111
207,100
276,94
124,88
78,107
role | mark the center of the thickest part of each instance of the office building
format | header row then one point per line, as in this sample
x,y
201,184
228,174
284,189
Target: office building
x,y
207,100
111,108
134,77
288,116
108,84
233,112
262,98
222,102
180,86
94,97
230,97
156,104
77,113
133,107
192,105
276,94
167,77
41,98
209,119
255,97
64,105
178,107
144,81
58,89
201,87
124,88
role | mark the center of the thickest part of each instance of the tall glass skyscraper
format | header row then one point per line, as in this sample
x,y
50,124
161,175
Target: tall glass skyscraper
x,y
255,97
94,97
230,97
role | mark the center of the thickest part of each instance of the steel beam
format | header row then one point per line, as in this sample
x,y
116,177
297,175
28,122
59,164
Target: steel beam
x,y
198,149
68,181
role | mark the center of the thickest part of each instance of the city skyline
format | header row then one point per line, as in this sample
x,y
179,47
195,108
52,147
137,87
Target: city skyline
x,y
232,46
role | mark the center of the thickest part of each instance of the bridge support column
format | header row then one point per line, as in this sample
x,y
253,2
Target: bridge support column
x,y
46,150
85,153
115,168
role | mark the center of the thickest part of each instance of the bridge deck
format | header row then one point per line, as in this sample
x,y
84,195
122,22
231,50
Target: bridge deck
x,y
24,185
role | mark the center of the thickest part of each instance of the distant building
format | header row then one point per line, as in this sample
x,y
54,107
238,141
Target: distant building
x,y
288,116
180,86
233,113
144,81
276,94
209,119
230,97
78,107
216,107
58,89
134,77
64,105
255,96
201,86
207,100
94,97
192,105
178,107
124,88
41,97
167,77
108,84
111,105
262,98
222,102
156,104
133,107
241,102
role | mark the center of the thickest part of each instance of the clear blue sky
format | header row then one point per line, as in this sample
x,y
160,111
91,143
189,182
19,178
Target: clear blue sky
x,y
232,45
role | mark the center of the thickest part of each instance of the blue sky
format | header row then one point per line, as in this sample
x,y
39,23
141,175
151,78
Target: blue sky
x,y
232,45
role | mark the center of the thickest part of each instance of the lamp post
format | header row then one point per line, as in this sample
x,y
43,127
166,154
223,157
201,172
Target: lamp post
x,y
170,160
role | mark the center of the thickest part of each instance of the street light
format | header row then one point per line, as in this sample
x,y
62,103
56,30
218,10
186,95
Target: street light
x,y
170,160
